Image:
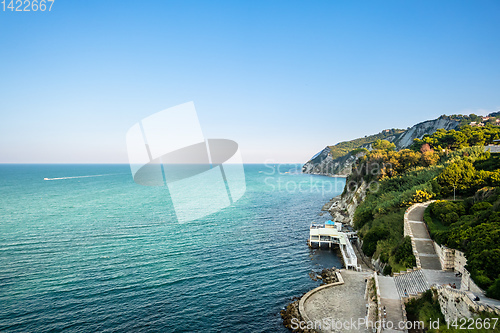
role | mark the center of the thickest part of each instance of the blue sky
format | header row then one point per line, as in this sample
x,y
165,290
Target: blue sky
x,y
282,78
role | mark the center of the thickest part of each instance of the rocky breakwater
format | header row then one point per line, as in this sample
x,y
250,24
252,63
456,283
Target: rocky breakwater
x,y
291,315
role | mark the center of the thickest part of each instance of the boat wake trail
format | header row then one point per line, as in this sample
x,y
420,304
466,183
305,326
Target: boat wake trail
x,y
109,174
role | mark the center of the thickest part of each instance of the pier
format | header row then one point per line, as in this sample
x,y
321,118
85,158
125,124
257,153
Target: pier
x,y
331,235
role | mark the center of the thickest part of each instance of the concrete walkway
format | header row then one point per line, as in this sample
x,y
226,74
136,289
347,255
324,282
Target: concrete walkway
x,y
441,277
423,242
411,283
342,303
414,282
429,260
390,301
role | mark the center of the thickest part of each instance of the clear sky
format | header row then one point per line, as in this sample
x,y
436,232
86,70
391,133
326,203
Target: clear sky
x,y
282,78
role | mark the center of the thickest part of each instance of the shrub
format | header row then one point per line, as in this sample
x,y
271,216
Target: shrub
x,y
372,237
403,253
359,150
449,218
480,206
383,145
494,290
420,196
482,280
447,211
426,309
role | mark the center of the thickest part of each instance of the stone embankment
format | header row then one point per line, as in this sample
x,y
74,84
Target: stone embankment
x,y
327,276
291,314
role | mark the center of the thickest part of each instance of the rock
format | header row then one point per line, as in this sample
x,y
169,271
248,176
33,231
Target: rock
x,y
290,312
342,208
328,276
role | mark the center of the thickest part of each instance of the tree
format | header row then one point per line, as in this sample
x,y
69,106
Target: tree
x,y
459,175
409,158
429,158
403,253
383,145
371,239
477,139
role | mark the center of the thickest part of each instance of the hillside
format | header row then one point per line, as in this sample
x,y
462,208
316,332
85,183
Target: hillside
x,y
386,180
338,159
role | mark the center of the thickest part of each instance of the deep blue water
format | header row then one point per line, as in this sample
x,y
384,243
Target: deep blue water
x,y
105,254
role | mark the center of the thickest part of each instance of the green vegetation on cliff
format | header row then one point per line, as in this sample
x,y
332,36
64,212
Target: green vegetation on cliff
x,y
471,226
426,309
343,148
434,168
467,136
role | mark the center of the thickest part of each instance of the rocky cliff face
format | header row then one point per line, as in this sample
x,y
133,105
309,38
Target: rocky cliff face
x,y
323,163
342,208
405,139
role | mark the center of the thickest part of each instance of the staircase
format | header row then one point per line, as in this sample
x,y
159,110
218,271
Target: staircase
x,y
413,281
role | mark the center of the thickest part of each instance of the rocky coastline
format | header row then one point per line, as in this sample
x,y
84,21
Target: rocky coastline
x,y
291,311
341,209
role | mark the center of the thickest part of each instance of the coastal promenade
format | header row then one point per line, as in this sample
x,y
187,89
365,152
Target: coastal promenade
x,y
338,302
344,301
412,282
424,250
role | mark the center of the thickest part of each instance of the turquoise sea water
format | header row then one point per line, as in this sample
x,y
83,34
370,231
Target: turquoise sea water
x,y
105,254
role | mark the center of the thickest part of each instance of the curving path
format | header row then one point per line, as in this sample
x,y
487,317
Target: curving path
x,y
423,242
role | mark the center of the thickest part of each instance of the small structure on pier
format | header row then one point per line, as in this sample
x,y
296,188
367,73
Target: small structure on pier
x,y
334,234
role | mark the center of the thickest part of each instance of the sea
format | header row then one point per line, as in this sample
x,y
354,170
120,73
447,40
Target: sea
x,y
85,249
